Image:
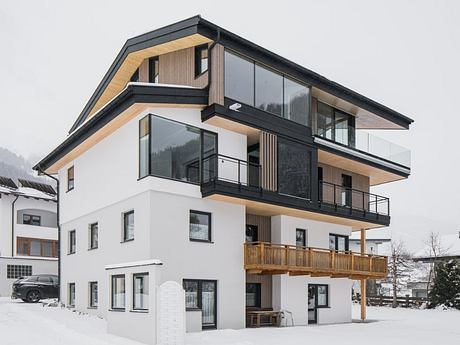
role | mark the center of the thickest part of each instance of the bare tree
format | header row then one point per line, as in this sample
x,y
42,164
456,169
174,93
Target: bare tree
x,y
400,265
434,250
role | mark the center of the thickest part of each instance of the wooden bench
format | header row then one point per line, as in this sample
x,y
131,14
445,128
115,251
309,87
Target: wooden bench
x,y
256,315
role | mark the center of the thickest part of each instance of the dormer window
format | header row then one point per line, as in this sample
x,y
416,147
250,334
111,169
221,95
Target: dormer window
x,y
154,68
201,59
135,77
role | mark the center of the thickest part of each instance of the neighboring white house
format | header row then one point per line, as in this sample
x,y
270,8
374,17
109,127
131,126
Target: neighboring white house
x,y
186,154
372,244
28,231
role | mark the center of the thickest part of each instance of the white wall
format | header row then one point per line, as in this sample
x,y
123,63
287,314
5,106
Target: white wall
x,y
291,293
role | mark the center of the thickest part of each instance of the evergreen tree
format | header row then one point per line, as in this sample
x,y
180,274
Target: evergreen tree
x,y
446,284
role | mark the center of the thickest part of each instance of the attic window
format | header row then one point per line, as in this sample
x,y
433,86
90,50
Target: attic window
x,y
201,59
135,77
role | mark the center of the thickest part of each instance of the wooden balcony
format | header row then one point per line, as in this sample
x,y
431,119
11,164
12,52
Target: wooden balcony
x,y
268,258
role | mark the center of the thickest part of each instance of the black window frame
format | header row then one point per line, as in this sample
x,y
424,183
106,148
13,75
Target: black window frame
x,y
258,288
92,227
72,235
209,215
336,242
318,306
304,232
200,297
69,294
70,181
125,226
146,276
252,227
154,75
199,57
112,278
31,219
90,295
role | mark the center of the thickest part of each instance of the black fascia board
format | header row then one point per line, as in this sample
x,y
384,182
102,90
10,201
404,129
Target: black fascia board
x,y
132,94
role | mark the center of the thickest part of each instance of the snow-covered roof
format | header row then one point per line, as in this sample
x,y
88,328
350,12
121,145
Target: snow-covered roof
x,y
450,246
134,264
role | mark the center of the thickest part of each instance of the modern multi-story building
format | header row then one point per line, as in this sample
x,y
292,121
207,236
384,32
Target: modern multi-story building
x,y
241,171
28,231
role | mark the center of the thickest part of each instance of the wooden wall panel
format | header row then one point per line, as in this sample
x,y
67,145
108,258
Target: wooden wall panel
x,y
144,71
216,87
179,68
266,288
269,161
263,224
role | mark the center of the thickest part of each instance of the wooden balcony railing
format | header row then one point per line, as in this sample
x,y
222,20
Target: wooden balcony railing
x,y
269,258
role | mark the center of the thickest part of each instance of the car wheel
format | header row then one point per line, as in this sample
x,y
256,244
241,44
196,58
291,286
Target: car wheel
x,y
24,300
33,296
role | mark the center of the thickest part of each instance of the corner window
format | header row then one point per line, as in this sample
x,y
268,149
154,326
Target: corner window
x,y
128,226
93,295
252,233
141,291
335,125
154,67
253,295
72,241
71,294
300,238
118,292
338,242
70,178
135,77
31,219
200,226
93,236
201,59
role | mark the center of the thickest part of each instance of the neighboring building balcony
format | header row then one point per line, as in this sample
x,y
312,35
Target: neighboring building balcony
x,y
234,180
268,258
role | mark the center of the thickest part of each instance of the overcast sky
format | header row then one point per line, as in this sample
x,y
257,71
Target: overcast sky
x,y
404,54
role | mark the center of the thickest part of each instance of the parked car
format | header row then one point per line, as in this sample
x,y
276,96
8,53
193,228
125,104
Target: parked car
x,y
36,287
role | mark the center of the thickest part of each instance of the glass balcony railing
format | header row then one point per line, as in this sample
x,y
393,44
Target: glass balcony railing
x,y
366,142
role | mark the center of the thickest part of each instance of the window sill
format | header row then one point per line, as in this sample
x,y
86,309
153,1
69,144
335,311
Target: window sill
x,y
118,310
130,240
89,249
71,253
91,308
193,309
201,241
69,190
140,311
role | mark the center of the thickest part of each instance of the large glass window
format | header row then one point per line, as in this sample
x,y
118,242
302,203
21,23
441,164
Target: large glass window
x,y
239,78
269,90
118,292
253,295
200,226
251,83
175,149
338,242
141,291
36,247
335,125
294,171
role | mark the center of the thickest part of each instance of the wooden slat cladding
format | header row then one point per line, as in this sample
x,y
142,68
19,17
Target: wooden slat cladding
x,y
269,161
333,175
266,288
216,91
179,68
144,71
263,224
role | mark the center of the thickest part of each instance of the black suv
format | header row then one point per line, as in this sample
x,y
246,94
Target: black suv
x,y
34,288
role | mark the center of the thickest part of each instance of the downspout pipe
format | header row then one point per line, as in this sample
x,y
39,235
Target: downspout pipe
x,y
12,224
41,171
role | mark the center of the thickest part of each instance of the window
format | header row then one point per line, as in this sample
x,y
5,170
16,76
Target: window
x,y
135,77
249,82
93,236
31,219
338,242
93,297
154,68
128,226
70,178
141,291
253,295
71,295
118,292
172,149
18,271
252,233
300,238
322,298
335,125
202,295
36,247
201,59
72,241
200,226
294,162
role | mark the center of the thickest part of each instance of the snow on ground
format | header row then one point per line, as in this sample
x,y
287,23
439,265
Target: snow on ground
x,y
22,323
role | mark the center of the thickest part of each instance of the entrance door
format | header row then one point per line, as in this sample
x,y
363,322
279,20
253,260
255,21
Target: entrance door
x,y
312,312
209,301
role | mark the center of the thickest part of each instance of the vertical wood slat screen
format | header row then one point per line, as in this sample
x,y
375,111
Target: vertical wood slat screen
x,y
269,161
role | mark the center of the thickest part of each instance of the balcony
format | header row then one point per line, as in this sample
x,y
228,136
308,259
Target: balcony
x,y
268,258
235,180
